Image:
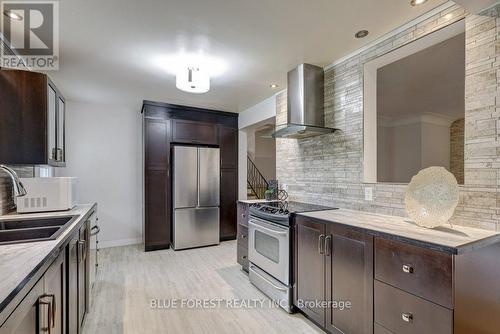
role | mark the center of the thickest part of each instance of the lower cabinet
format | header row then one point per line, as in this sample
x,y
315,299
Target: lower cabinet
x,y
59,300
242,221
78,278
43,308
333,276
55,291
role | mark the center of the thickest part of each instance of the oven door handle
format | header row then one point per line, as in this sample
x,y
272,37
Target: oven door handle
x,y
267,281
259,226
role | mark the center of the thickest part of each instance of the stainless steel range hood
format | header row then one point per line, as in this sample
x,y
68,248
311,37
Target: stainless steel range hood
x,y
305,115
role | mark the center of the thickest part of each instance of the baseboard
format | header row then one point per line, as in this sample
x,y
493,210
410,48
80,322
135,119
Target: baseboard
x,y
153,247
121,242
227,238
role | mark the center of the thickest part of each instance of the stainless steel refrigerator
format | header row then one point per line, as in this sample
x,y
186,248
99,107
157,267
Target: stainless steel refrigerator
x,y
196,184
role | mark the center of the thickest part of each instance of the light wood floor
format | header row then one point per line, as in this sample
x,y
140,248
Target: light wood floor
x,y
130,278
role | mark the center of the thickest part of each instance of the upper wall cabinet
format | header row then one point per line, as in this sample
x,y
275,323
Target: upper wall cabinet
x,y
192,132
32,120
228,147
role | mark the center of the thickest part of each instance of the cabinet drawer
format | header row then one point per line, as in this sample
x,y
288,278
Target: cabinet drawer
x,y
425,273
242,214
194,132
401,312
242,236
242,255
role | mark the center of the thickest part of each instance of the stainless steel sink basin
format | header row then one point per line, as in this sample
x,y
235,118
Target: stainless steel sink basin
x,y
29,230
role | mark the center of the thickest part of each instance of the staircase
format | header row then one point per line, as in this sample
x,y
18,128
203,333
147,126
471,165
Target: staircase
x,y
256,182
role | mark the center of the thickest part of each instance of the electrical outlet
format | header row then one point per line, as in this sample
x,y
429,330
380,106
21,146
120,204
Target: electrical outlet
x,y
368,194
284,186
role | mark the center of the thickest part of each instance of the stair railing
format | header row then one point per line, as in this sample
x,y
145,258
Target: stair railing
x,y
256,181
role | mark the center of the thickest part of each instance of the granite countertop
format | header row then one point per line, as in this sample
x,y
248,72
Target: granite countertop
x,y
454,240
21,262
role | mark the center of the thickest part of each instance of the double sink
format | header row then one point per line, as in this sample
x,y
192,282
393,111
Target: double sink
x,y
29,230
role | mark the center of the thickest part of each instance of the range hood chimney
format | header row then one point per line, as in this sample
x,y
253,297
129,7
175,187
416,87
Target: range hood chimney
x,y
305,104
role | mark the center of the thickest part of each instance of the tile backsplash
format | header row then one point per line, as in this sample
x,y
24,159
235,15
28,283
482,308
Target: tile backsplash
x,y
329,169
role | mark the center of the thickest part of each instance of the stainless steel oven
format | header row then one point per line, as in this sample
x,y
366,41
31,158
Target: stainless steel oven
x,y
269,248
269,255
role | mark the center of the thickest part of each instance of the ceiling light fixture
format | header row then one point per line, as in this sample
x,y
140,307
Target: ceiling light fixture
x,y
193,80
417,2
13,15
273,85
361,34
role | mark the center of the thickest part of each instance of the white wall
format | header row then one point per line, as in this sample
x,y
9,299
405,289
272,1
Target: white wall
x,y
258,113
104,150
255,114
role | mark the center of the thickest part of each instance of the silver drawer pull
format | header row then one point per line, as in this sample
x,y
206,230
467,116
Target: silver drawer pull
x,y
408,317
407,269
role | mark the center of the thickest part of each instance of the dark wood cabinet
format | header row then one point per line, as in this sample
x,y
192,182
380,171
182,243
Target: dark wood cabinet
x,y
26,318
32,119
55,290
43,309
78,278
420,271
228,147
157,229
402,312
55,298
83,272
394,284
309,272
165,125
333,276
228,195
193,132
349,279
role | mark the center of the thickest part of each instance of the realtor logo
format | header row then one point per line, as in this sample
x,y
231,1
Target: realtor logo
x,y
30,34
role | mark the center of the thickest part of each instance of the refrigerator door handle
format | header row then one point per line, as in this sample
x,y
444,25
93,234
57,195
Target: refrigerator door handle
x,y
198,176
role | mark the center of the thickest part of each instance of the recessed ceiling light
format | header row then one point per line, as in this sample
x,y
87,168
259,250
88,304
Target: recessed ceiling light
x,y
13,15
417,2
273,85
361,34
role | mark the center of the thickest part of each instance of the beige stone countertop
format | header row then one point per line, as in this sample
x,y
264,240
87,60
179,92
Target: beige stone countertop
x,y
21,263
252,201
456,240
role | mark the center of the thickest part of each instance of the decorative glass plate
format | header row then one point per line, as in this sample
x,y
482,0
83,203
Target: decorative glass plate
x,y
432,197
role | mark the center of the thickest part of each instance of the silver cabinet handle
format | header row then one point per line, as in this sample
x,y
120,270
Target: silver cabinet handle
x,y
95,230
82,249
328,245
321,239
407,317
407,269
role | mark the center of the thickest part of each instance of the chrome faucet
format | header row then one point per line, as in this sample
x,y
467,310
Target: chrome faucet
x,y
18,187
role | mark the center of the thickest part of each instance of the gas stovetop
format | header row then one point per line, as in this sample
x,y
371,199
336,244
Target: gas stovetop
x,y
280,211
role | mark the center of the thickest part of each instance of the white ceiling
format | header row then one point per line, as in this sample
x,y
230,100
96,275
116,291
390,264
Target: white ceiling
x,y
430,81
110,48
